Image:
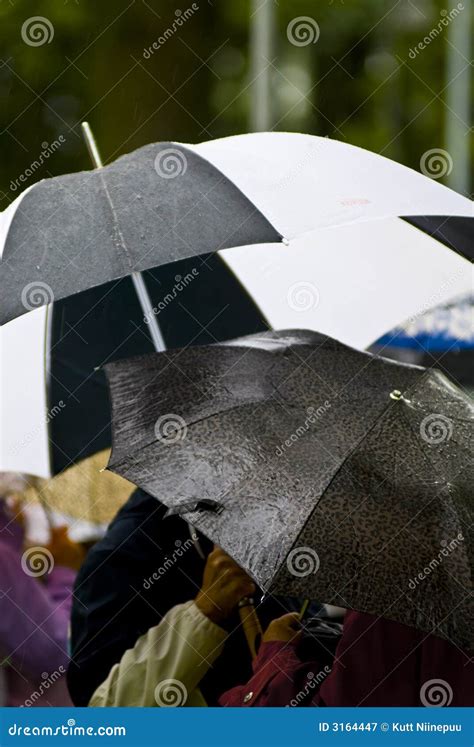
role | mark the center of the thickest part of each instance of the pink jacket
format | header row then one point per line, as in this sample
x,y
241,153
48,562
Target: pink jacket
x,y
378,663
34,619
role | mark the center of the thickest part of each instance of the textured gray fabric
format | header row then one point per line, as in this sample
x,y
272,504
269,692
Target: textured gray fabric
x,y
287,450
156,205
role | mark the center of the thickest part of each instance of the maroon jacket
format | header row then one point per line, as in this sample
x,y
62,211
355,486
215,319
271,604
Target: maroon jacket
x,y
378,663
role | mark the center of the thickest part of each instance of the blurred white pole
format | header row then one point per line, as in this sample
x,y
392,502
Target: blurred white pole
x,y
458,94
262,32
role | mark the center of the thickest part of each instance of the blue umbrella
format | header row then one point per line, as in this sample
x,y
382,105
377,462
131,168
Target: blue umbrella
x,y
444,328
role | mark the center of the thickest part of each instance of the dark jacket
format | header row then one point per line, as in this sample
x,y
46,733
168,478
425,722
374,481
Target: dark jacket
x,y
117,598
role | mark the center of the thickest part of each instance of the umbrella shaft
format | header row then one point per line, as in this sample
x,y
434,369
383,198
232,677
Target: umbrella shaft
x,y
251,626
138,282
147,308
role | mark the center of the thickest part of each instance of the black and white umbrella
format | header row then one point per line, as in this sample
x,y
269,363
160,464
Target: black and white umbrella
x,y
167,201
345,253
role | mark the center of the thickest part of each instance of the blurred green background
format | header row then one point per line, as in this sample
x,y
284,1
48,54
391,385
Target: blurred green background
x,y
230,67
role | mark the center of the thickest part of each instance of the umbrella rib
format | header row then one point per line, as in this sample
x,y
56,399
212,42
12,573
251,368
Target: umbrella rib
x,y
115,218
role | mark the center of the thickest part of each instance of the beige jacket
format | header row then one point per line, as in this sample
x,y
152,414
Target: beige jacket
x,y
167,663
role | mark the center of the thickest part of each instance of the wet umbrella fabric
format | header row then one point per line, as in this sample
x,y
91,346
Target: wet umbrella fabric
x,y
167,201
324,471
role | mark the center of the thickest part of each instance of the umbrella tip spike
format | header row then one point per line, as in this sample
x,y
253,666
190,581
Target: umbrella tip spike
x,y
285,241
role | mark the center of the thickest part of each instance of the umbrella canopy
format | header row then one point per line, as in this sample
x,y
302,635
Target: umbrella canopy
x,y
54,400
84,492
331,280
442,336
167,201
325,472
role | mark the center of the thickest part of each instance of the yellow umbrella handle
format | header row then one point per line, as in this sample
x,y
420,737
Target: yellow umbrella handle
x,y
250,624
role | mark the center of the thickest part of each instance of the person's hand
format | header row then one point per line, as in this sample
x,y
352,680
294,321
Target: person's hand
x,y
64,550
285,629
223,586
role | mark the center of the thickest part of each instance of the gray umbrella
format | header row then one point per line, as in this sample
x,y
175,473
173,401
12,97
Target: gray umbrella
x,y
77,231
325,472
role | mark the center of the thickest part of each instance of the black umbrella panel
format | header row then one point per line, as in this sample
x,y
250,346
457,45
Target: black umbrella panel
x,y
325,472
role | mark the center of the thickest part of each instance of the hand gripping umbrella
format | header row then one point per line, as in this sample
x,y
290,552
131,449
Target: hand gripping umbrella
x,y
325,472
